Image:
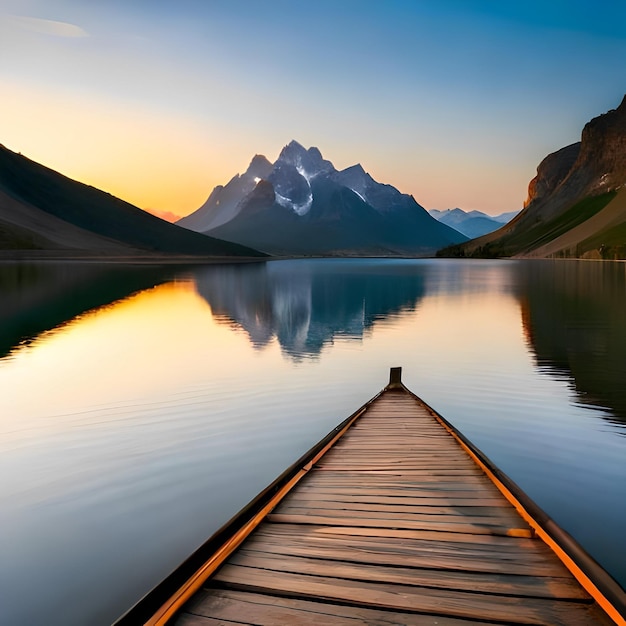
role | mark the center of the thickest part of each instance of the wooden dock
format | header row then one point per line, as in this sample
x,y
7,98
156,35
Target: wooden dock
x,y
396,519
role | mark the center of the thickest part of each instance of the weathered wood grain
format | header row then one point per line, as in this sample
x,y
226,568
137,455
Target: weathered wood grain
x,y
383,595
256,608
396,524
380,553
503,583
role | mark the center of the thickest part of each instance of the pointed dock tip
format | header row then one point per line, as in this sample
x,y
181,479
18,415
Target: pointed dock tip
x,y
395,378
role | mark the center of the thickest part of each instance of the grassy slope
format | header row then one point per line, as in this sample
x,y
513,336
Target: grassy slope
x,y
523,241
98,212
610,243
599,236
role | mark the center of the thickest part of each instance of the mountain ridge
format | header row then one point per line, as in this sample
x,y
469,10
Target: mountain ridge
x,y
472,223
316,209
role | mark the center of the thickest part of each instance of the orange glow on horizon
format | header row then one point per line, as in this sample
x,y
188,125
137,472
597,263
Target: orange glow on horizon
x,y
121,334
149,159
168,165
168,216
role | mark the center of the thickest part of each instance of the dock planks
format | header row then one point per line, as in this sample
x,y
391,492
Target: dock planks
x,y
395,524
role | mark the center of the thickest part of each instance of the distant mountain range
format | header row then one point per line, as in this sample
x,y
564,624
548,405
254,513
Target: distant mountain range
x,y
472,223
44,213
302,205
576,205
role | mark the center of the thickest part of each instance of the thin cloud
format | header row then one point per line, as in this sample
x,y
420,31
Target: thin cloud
x,y
168,216
49,27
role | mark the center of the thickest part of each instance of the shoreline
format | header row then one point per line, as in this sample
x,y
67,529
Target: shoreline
x,y
53,256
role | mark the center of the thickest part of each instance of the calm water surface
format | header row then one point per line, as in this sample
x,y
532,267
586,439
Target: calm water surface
x,y
140,408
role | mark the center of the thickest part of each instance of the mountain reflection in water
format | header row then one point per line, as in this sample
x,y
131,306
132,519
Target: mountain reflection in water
x,y
572,312
305,306
131,433
37,297
574,318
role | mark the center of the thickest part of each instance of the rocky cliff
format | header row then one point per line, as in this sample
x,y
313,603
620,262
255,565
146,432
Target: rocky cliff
x,y
551,172
575,205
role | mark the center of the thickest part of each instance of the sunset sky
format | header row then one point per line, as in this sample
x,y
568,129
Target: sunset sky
x,y
453,101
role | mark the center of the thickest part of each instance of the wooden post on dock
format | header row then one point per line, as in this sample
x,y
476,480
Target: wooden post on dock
x,y
395,378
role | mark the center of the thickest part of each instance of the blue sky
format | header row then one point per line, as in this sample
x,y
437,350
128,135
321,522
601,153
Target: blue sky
x,y
454,102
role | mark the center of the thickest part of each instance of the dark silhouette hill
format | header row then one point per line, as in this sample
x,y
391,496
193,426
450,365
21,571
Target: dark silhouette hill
x,y
42,210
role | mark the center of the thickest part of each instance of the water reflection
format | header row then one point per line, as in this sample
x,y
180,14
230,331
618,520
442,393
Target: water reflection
x,y
175,421
573,316
37,297
572,313
306,305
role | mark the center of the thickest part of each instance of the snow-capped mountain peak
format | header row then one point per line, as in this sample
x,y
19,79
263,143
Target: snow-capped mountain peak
x,y
292,174
302,204
309,163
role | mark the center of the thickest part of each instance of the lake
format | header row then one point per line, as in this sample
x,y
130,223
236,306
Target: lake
x,y
142,407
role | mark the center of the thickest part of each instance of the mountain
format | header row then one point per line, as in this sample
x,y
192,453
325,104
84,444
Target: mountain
x,y
44,212
302,205
222,205
576,205
503,218
470,223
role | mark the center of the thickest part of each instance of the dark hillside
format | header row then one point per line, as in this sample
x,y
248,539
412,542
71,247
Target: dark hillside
x,y
93,211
